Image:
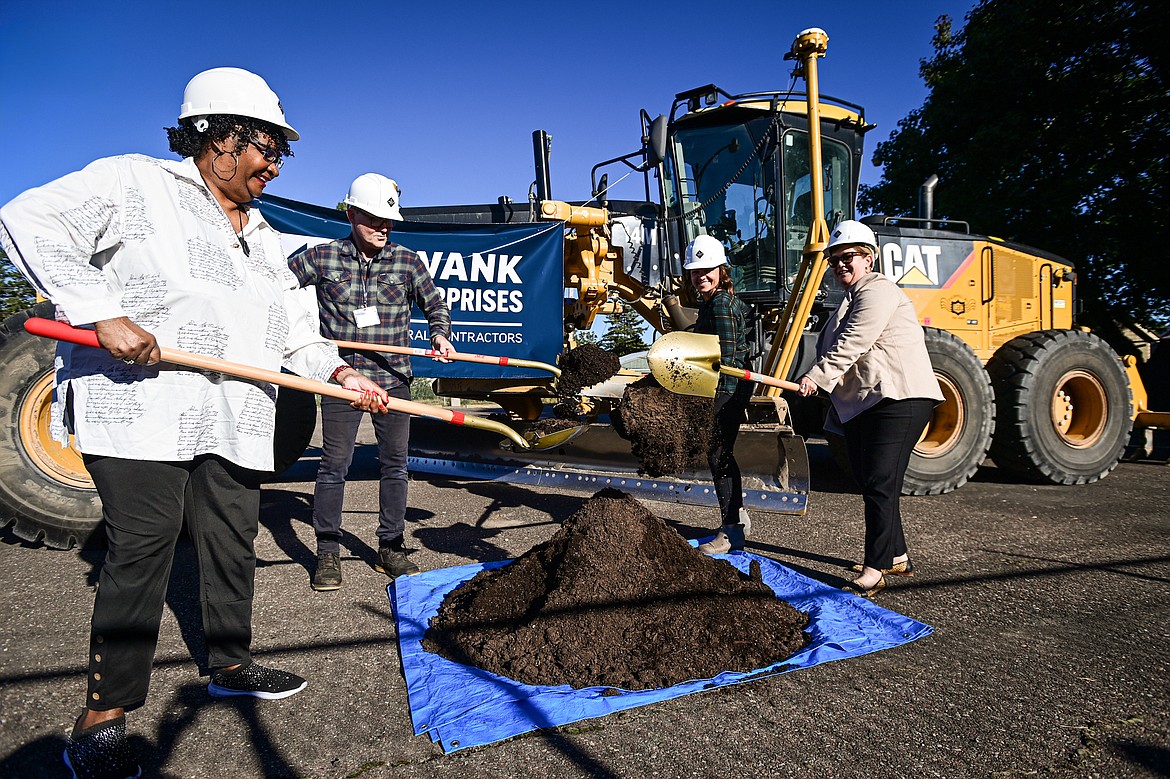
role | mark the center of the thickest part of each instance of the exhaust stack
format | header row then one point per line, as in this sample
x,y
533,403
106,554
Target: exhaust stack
x,y
926,200
541,144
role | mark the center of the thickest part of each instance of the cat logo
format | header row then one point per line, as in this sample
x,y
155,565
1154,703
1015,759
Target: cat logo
x,y
912,264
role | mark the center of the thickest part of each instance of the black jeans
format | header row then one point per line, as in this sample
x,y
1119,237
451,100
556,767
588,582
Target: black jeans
x,y
730,411
339,426
144,504
880,441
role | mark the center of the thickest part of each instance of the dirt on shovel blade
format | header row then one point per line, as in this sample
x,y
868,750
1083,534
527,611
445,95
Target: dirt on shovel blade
x,y
539,427
583,366
615,598
668,433
549,425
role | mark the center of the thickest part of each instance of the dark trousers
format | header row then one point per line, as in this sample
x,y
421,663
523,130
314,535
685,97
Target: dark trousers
x,y
144,504
339,426
730,411
880,441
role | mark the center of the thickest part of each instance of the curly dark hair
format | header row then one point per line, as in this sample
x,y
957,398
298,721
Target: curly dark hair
x,y
186,141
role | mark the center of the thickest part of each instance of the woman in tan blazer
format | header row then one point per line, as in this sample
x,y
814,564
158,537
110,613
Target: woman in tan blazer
x,y
872,360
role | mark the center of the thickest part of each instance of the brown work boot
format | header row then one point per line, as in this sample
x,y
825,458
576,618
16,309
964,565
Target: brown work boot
x,y
728,539
393,563
328,574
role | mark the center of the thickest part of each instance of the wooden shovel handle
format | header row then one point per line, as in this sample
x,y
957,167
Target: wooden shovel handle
x,y
47,328
739,373
458,356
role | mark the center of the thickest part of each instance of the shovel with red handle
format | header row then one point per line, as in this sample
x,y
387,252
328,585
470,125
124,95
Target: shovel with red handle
x,y
458,356
47,328
688,364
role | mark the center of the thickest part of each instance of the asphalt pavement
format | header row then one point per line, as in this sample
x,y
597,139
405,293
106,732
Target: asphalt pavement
x,y
1050,608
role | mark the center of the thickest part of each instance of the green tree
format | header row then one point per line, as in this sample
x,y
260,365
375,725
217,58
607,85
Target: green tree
x,y
1048,122
624,334
582,337
16,294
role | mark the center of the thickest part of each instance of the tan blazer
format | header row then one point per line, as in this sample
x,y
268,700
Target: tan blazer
x,y
873,348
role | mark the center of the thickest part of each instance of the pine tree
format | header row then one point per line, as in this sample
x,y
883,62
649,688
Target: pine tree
x,y
624,335
582,337
15,292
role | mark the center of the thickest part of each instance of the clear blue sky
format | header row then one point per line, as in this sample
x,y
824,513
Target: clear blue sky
x,y
442,96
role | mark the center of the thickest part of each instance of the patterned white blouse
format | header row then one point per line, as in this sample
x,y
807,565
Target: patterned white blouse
x,y
144,238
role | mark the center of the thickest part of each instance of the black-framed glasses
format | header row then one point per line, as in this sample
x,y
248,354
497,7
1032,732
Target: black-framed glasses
x,y
837,259
374,222
270,153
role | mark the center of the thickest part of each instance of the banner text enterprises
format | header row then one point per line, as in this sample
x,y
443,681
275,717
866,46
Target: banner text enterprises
x,y
504,283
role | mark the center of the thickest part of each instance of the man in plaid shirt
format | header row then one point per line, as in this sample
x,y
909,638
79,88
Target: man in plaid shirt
x,y
365,288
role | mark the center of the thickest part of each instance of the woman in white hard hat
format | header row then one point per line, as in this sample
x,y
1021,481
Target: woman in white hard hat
x,y
145,251
723,314
872,360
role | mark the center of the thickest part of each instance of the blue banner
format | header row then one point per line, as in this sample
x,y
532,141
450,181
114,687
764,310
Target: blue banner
x,y
504,284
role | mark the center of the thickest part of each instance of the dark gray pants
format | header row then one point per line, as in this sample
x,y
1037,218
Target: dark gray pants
x,y
339,426
144,504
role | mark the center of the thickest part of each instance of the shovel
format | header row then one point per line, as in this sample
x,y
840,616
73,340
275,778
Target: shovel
x,y
47,328
458,356
688,364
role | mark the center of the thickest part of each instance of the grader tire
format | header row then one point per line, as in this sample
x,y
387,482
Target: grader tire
x,y
1064,407
44,487
45,491
959,433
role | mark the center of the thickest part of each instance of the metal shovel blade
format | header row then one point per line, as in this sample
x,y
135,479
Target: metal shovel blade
x,y
531,441
685,363
555,439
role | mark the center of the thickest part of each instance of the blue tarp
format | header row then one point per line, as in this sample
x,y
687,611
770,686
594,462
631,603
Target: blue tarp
x,y
461,706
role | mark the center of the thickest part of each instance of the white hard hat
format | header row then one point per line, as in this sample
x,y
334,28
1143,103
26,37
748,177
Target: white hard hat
x,y
375,194
705,252
851,232
233,91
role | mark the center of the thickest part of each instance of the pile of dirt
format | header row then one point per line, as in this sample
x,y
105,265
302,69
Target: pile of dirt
x,y
584,366
615,598
668,433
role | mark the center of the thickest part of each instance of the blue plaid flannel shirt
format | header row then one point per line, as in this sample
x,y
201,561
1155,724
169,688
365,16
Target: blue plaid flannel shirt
x,y
391,282
725,315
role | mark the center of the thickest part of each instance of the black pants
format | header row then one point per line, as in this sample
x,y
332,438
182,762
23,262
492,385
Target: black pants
x,y
730,411
144,504
880,441
339,426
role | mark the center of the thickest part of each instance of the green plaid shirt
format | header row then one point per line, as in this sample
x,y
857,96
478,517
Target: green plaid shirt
x,y
725,315
391,282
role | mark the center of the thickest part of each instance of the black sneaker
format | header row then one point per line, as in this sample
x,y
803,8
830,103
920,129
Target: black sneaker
x,y
255,680
393,563
102,752
328,574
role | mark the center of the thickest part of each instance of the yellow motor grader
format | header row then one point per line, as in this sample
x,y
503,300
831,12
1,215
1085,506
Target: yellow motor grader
x,y
768,174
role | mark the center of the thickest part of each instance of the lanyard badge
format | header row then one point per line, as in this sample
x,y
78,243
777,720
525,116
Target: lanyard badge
x,y
366,316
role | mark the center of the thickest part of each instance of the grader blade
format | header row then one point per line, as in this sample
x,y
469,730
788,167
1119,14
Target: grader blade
x,y
773,461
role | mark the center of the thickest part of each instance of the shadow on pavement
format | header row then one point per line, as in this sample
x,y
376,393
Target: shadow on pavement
x,y
42,758
472,540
